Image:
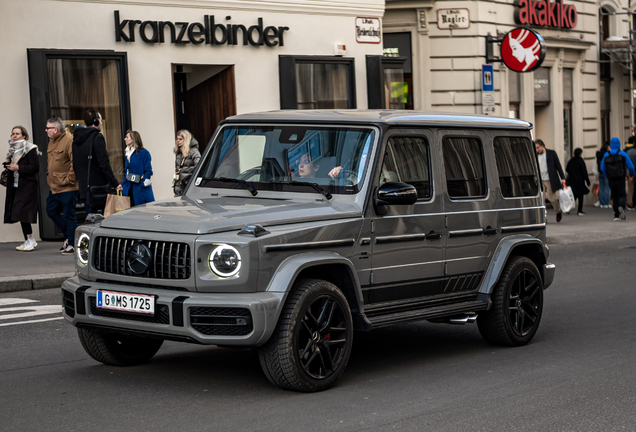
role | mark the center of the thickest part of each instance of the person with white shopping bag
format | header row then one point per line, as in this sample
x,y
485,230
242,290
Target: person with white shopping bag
x,y
552,175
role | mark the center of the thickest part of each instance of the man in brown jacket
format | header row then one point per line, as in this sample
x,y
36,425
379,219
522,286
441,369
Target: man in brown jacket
x,y
60,204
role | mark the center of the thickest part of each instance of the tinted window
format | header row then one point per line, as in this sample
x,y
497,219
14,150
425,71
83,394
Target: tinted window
x,y
464,167
406,161
516,167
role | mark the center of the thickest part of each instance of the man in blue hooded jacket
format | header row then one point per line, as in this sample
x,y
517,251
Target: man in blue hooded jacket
x,y
616,163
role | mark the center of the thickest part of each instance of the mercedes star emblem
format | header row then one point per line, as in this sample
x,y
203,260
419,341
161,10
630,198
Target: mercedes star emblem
x,y
138,259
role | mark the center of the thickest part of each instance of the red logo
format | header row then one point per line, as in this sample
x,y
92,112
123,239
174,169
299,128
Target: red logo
x,y
523,50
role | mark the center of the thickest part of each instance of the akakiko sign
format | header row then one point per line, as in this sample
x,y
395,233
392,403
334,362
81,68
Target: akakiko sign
x,y
208,32
545,13
523,50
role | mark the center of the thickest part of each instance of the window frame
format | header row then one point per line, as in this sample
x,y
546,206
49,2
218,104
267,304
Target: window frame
x,y
536,173
429,166
483,164
287,77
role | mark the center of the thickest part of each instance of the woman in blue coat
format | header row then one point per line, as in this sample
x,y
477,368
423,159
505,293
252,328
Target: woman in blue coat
x,y
137,182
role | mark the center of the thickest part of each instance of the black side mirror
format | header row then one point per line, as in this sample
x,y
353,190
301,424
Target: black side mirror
x,y
396,194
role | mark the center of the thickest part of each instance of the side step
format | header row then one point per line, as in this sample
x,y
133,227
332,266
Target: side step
x,y
429,313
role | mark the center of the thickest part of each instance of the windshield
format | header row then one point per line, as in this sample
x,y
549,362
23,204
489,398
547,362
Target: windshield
x,y
288,158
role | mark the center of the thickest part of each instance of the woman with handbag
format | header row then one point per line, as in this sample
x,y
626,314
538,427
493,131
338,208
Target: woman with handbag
x,y
137,183
21,202
187,157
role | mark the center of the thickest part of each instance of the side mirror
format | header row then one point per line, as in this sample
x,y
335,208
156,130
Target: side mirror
x,y
396,194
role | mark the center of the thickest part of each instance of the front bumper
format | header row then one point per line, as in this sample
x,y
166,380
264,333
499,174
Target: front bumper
x,y
238,319
548,274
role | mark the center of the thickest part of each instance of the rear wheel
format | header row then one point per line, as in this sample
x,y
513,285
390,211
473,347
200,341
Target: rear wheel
x,y
118,349
517,305
311,344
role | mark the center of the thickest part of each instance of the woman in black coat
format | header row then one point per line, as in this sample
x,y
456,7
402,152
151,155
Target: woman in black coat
x,y
21,202
578,178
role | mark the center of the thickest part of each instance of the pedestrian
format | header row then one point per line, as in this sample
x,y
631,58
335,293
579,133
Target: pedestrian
x,y
603,183
21,200
187,157
578,178
552,175
615,165
631,189
91,163
137,182
60,176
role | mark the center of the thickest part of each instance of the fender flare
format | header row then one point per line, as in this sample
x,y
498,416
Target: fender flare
x,y
500,257
287,272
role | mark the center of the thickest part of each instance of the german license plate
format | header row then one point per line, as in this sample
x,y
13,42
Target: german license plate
x,y
126,302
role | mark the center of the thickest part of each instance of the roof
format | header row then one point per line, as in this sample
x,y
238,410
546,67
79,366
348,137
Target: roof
x,y
387,117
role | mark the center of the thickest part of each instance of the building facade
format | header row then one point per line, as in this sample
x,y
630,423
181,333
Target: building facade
x,y
579,97
160,66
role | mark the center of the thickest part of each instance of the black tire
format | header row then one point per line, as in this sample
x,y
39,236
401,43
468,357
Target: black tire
x,y
311,344
117,349
517,305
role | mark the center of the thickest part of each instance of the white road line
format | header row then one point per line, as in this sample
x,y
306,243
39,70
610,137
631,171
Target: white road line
x,y
32,321
12,301
27,311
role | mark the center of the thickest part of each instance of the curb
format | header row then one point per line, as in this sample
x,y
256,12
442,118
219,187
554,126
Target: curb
x,y
33,282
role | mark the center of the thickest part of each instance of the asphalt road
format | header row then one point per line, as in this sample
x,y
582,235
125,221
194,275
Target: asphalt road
x,y
578,374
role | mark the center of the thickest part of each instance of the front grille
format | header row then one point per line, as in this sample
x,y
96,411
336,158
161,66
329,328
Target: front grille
x,y
219,321
168,260
162,314
68,303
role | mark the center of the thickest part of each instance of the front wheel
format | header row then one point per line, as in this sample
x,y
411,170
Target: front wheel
x,y
311,344
517,305
117,349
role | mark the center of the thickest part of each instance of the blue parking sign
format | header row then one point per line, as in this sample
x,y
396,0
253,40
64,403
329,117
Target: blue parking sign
x,y
487,81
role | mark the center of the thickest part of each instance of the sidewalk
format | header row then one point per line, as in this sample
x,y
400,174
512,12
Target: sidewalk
x,y
47,268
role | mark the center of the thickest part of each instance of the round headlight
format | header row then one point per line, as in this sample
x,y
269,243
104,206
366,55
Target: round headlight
x,y
225,261
83,244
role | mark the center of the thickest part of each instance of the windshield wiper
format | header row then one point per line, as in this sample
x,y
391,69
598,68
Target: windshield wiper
x,y
245,184
315,186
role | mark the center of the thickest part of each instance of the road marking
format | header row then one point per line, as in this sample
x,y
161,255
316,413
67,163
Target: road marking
x,y
32,321
26,310
11,301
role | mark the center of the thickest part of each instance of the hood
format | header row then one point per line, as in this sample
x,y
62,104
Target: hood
x,y
615,144
218,214
194,143
81,134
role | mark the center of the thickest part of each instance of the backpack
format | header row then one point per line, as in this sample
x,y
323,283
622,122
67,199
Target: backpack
x,y
615,166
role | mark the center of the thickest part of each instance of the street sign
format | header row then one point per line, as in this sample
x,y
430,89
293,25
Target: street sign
x,y
487,82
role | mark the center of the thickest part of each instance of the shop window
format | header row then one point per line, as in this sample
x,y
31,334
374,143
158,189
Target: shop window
x,y
515,166
314,82
77,84
406,161
386,85
399,45
464,167
567,113
542,86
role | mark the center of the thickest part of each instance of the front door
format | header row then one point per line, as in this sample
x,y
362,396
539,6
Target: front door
x,y
407,242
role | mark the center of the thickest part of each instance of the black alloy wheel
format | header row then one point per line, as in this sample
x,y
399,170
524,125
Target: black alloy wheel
x,y
311,344
517,305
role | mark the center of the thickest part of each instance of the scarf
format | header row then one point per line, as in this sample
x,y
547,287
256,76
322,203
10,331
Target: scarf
x,y
129,152
17,149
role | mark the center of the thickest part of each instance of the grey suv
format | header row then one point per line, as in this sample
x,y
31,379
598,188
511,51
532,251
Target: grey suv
x,y
299,227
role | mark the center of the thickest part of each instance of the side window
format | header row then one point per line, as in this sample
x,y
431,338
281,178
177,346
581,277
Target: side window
x,y
464,167
516,167
406,161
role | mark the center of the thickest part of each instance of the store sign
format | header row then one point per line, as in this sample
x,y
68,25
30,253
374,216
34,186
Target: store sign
x,y
523,50
208,32
451,19
545,13
368,30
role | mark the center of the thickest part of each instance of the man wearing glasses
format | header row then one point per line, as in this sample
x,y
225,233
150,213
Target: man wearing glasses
x,y
60,204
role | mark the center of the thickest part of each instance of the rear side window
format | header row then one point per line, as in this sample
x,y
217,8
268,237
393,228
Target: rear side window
x,y
516,167
464,167
406,161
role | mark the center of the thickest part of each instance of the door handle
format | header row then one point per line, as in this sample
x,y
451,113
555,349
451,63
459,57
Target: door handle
x,y
490,231
433,235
